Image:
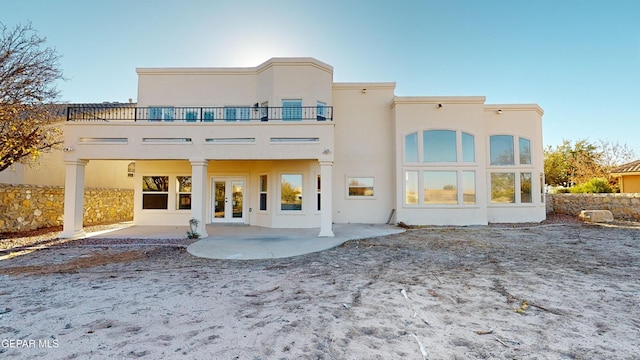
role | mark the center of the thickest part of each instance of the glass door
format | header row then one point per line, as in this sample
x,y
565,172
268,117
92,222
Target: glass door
x,y
228,200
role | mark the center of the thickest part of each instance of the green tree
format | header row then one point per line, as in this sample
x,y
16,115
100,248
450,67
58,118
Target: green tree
x,y
28,74
573,163
578,163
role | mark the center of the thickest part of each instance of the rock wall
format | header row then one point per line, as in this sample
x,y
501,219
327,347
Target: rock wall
x,y
29,207
623,206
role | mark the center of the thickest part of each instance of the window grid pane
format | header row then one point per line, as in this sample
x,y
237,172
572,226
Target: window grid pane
x,y
501,149
411,147
468,187
291,192
263,192
525,188
503,188
411,188
468,148
439,146
440,187
360,186
524,146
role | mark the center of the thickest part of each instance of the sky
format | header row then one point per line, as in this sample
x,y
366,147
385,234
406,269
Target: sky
x,y
578,59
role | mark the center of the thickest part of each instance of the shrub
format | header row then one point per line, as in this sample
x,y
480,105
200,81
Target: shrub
x,y
593,186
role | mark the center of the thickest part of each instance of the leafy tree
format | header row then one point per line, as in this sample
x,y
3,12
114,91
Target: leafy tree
x,y
28,73
577,163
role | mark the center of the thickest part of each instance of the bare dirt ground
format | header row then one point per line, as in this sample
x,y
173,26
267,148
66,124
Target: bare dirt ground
x,y
558,290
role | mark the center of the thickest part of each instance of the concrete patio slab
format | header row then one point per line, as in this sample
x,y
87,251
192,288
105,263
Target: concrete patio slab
x,y
254,242
243,242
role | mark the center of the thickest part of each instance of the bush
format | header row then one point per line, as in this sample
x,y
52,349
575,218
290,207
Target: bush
x,y
593,186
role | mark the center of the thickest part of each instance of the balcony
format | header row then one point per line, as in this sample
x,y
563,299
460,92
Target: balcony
x,y
126,113
123,131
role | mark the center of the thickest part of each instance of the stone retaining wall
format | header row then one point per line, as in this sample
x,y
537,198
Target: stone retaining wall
x,y
29,207
623,206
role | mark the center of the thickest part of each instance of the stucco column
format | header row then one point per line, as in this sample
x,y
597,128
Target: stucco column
x,y
326,196
199,168
73,199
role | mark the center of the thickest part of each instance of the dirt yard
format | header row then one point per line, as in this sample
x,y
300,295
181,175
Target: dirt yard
x,y
550,291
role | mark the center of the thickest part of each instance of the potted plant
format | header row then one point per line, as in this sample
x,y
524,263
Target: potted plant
x,y
193,225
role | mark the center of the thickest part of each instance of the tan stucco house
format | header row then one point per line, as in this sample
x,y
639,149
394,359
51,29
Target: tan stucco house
x,y
282,145
629,177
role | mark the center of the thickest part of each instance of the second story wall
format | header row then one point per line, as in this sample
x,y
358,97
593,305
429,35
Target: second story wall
x,y
303,79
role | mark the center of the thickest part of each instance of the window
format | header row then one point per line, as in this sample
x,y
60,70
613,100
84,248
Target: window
x,y
155,192
503,188
291,192
439,146
411,187
161,113
468,187
411,147
468,148
237,113
321,110
501,149
525,187
292,109
318,190
360,186
183,187
524,147
131,169
542,188
440,187
263,192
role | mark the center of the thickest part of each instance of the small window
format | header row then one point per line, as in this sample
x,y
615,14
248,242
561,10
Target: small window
x,y
468,148
525,151
292,109
321,111
542,188
411,187
360,186
131,169
469,187
525,187
319,191
291,192
183,186
439,146
263,192
440,187
501,149
503,188
155,192
411,147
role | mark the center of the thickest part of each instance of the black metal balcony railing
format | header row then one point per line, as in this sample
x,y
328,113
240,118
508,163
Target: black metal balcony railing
x,y
198,114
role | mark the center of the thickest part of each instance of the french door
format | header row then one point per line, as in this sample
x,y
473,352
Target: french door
x,y
227,199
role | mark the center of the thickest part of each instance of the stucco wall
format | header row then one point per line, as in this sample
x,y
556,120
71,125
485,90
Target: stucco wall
x,y
623,206
630,183
28,207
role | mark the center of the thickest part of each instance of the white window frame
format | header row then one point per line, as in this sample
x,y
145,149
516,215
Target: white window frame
x,y
360,197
